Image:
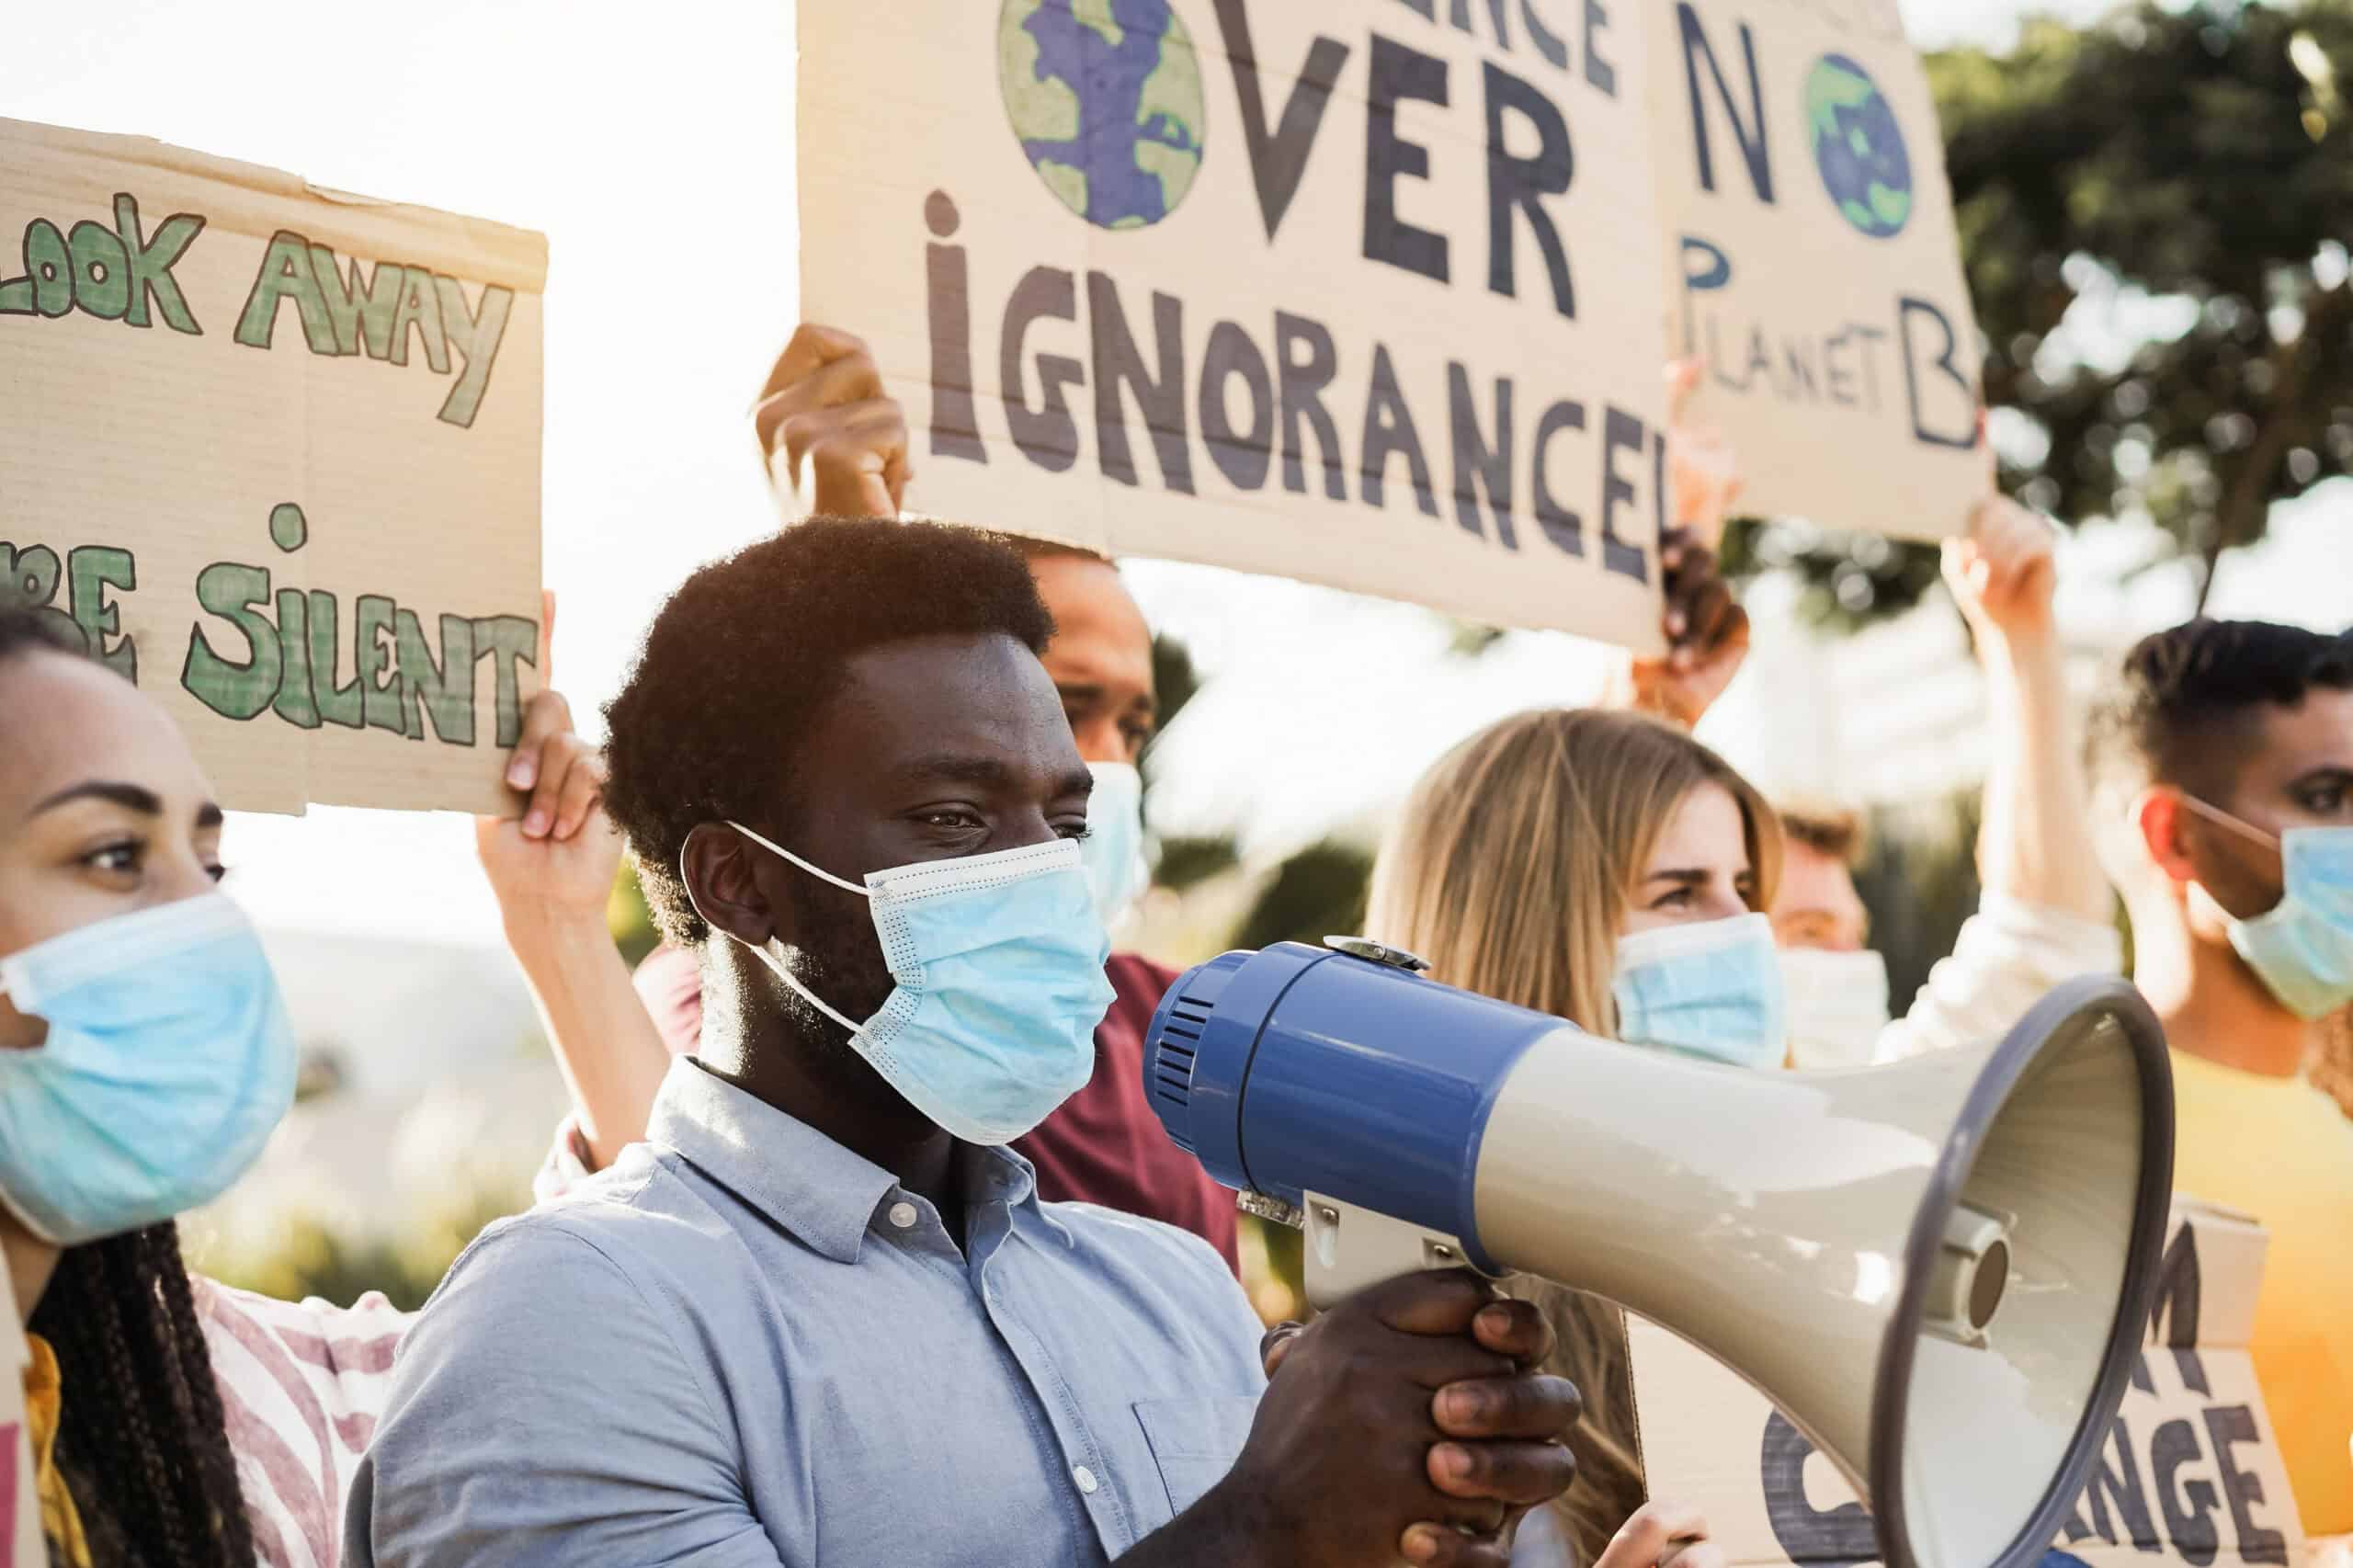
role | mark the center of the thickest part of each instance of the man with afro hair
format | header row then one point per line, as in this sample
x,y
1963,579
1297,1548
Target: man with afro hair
x,y
805,1321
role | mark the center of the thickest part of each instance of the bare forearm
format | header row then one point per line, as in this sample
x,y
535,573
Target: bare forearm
x,y
611,1057
2035,845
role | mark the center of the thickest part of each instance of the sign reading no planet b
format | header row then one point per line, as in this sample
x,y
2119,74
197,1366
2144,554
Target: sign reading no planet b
x,y
1815,267
1364,292
273,453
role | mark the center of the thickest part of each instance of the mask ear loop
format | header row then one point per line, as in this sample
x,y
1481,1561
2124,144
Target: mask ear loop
x,y
769,958
2216,815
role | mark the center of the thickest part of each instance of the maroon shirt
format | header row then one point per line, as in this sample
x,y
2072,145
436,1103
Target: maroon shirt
x,y
1102,1145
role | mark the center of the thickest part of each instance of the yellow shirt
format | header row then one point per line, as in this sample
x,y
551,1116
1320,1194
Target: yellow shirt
x,y
2283,1151
43,1400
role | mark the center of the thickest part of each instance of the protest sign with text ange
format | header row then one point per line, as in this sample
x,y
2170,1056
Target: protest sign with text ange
x,y
1361,293
273,452
1815,267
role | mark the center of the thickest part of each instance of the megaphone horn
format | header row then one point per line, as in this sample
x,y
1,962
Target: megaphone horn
x,y
1939,1270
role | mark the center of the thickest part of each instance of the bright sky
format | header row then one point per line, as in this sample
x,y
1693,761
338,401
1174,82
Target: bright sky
x,y
620,140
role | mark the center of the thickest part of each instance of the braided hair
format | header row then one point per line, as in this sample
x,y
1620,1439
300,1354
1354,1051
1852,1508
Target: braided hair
x,y
141,1441
140,1438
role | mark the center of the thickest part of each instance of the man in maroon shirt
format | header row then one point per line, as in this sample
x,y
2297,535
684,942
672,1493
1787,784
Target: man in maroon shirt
x,y
824,415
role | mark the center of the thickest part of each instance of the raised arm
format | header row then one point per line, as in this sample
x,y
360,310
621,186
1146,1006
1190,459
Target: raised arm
x,y
552,865
2035,846
2046,912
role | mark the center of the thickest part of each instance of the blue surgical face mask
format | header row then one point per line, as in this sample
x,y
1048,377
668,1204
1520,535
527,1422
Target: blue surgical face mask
x,y
1112,851
168,1063
1709,989
2302,947
998,961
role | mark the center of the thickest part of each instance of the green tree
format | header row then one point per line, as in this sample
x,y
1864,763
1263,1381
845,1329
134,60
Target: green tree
x,y
2202,158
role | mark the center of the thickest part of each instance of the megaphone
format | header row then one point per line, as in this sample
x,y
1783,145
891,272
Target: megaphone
x,y
1939,1270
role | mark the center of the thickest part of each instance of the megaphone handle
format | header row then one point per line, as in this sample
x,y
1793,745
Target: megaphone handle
x,y
1351,1249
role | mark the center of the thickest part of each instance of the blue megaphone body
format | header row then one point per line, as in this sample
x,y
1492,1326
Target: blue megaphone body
x,y
1939,1269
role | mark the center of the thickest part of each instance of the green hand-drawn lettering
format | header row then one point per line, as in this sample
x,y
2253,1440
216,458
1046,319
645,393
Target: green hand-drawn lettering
x,y
47,286
297,702
477,337
91,570
152,262
101,270
374,651
511,641
286,274
233,690
445,691
420,308
358,312
336,704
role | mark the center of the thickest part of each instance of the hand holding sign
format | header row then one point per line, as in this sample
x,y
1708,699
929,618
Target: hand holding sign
x,y
556,859
2002,571
1659,1534
1707,634
1702,467
823,407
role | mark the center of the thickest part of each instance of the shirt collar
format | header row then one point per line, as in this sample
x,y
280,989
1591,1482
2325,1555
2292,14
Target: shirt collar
x,y
818,1190
779,1164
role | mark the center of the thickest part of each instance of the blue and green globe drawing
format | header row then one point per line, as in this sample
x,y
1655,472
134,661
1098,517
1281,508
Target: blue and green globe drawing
x,y
1857,147
1105,98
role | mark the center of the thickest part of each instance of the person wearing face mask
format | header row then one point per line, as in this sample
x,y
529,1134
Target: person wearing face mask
x,y
2223,763
1604,867
2045,913
840,1323
823,415
145,1058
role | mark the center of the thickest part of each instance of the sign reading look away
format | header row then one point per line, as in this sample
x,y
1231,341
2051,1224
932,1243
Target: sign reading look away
x,y
1813,263
1363,293
2189,1474
273,453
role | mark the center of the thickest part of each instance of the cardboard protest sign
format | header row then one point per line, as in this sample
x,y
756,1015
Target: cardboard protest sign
x,y
1364,293
1815,267
273,452
2191,1473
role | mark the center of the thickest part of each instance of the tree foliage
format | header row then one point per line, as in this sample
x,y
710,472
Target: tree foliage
x,y
2197,164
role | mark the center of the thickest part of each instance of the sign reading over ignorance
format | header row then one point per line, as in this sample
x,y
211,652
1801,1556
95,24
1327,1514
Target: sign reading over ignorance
x,y
1815,267
1361,293
273,453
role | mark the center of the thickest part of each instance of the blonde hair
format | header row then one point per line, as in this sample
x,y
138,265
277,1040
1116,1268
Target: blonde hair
x,y
1512,870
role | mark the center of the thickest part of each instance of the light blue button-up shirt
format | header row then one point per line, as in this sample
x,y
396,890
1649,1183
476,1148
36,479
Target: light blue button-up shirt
x,y
747,1346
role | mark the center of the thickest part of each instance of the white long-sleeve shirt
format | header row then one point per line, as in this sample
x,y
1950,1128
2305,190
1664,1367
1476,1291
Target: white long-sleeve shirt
x,y
2008,956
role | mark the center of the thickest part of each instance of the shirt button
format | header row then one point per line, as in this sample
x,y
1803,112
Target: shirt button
x,y
1085,1479
903,1214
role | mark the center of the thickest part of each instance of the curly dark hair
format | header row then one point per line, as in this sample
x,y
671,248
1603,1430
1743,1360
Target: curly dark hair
x,y
141,1439
2187,693
741,659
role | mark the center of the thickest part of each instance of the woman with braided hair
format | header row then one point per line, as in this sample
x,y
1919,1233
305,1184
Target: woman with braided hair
x,y
145,1057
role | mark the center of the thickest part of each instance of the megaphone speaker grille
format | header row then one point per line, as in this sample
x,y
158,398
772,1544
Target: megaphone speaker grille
x,y
2051,1192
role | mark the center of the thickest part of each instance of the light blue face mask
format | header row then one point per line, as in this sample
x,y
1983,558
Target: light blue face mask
x,y
1112,850
2302,947
1709,989
998,961
169,1061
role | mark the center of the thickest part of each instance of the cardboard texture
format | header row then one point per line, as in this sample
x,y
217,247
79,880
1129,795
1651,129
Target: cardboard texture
x,y
2191,1473
1814,264
1358,292
274,452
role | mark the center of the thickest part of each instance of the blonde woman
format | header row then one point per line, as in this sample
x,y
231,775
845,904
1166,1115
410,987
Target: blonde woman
x,y
1605,868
